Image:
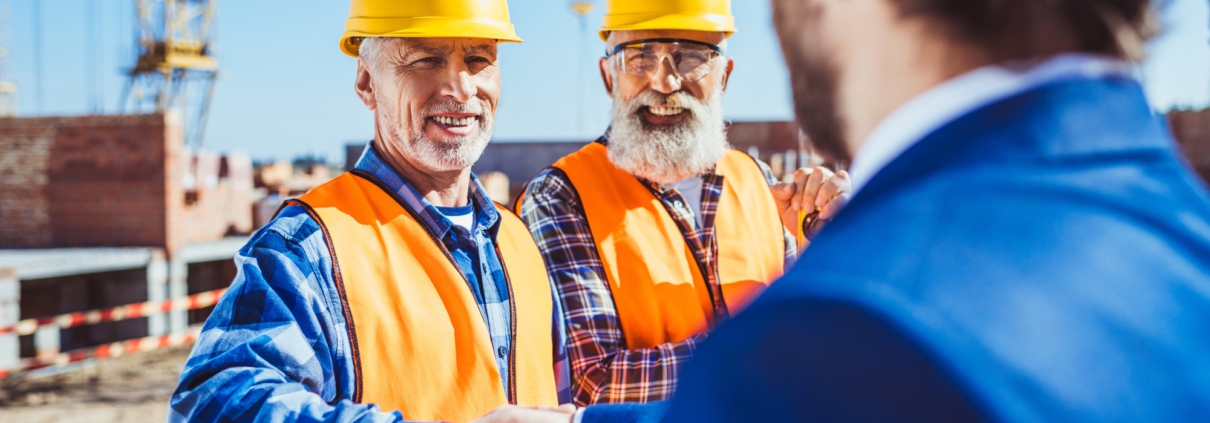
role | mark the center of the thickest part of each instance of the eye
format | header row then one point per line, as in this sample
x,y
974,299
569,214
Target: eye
x,y
478,59
641,57
428,63
695,55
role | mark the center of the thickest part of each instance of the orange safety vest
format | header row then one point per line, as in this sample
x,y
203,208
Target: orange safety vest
x,y
658,288
420,345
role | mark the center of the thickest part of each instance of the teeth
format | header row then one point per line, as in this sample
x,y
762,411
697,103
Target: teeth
x,y
454,121
665,110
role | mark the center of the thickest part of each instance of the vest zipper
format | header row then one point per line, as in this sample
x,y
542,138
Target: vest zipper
x,y
512,381
512,339
718,304
512,305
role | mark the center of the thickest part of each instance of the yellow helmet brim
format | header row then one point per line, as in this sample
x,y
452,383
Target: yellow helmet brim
x,y
707,22
425,27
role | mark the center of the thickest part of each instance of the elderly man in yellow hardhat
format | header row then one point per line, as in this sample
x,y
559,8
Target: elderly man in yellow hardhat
x,y
657,231
398,290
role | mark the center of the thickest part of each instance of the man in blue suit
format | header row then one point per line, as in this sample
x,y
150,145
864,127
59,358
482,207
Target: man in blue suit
x,y
1024,243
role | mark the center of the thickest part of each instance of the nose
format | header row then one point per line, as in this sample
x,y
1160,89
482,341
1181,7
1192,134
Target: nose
x,y
666,80
461,85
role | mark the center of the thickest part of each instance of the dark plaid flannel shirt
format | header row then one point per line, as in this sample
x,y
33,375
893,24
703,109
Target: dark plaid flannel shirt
x,y
604,369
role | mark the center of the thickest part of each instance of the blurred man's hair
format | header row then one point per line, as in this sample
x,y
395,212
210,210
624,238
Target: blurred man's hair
x,y
1029,29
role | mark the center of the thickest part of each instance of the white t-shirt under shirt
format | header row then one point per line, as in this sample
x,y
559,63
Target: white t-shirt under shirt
x,y
460,216
691,191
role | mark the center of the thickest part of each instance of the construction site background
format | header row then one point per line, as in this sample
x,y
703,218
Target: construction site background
x,y
92,183
116,181
131,215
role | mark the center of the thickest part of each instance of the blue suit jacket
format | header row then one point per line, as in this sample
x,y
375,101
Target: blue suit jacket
x,y
1045,258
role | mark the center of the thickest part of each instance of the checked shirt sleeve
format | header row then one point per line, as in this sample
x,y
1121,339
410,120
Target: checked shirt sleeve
x,y
275,348
604,370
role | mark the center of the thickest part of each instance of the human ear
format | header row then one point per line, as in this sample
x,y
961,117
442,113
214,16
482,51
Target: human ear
x,y
364,85
606,76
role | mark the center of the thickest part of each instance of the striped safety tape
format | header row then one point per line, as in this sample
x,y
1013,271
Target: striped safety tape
x,y
116,349
129,311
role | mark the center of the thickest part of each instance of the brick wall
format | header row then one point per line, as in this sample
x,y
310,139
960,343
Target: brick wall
x,y
219,204
107,183
1192,132
768,137
83,181
24,153
115,181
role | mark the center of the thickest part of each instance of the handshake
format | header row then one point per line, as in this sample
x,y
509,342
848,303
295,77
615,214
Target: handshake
x,y
517,414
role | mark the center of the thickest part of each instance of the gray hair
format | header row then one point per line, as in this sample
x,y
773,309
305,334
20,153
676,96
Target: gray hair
x,y
370,48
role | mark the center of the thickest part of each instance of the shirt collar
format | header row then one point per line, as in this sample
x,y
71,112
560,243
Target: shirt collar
x,y
486,215
957,97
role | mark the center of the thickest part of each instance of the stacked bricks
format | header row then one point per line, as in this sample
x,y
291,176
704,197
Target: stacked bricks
x,y
115,181
83,181
24,155
216,193
1192,132
773,136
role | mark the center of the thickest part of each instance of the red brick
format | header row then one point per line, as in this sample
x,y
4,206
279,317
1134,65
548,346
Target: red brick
x,y
113,181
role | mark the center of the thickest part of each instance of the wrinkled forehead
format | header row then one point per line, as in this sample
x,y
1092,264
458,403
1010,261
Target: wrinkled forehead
x,y
621,37
444,46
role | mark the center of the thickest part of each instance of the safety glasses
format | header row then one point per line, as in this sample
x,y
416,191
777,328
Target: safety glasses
x,y
691,59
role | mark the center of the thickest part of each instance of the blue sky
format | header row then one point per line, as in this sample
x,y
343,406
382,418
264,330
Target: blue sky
x,y
287,90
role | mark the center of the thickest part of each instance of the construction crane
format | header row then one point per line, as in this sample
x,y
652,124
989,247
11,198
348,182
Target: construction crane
x,y
8,89
176,67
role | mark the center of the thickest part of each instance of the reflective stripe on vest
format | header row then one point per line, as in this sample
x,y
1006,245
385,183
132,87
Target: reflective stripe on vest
x,y
657,286
420,344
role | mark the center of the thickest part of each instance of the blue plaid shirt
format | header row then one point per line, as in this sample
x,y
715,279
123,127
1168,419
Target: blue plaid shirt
x,y
276,347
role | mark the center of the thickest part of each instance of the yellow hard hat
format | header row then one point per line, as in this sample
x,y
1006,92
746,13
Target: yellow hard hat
x,y
427,19
691,15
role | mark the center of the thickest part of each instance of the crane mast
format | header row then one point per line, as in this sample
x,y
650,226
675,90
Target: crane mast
x,y
176,67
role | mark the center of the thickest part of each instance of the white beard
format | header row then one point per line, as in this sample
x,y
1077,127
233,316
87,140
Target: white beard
x,y
666,155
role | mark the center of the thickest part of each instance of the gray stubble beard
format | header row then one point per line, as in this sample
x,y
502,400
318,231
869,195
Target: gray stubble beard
x,y
457,154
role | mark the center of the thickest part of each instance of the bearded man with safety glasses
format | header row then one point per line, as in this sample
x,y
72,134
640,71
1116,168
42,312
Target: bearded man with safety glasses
x,y
657,231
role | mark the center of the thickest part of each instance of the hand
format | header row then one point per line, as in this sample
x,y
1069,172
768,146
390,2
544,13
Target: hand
x,y
812,190
515,414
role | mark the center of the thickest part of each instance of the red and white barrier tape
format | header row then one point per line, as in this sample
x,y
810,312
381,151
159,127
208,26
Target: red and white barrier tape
x,y
129,311
116,349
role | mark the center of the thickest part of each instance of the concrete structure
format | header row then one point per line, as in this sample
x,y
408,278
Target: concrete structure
x,y
10,313
104,211
116,181
47,282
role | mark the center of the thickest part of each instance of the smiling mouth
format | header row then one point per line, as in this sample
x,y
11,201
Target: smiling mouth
x,y
455,122
665,110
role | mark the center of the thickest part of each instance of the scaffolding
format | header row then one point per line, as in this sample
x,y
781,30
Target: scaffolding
x,y
176,67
